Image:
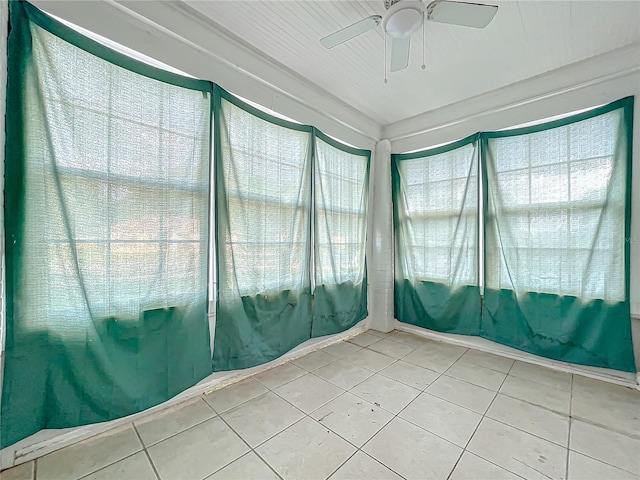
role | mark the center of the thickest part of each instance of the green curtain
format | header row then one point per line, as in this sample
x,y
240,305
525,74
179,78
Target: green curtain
x,y
263,237
107,188
341,179
435,212
557,217
556,207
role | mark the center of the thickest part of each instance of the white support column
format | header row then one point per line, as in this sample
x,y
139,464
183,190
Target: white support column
x,y
380,262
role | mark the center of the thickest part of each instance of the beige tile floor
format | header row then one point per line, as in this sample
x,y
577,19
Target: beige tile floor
x,y
380,406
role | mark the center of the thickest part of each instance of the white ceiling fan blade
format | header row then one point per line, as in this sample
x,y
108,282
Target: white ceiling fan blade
x,y
400,53
351,31
474,15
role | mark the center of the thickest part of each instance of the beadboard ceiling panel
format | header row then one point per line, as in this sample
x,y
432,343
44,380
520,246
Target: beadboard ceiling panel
x,y
525,39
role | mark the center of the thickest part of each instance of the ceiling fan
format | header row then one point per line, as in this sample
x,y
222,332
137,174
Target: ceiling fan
x,y
404,17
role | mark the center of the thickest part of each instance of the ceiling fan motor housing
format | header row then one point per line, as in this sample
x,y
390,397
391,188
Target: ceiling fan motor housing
x,y
403,19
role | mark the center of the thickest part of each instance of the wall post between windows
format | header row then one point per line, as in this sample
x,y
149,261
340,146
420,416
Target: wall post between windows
x,y
380,263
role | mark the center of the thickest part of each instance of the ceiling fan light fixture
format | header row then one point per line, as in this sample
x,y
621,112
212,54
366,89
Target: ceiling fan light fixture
x,y
403,19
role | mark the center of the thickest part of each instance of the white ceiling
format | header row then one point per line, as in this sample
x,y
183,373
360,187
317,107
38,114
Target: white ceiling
x,y
525,39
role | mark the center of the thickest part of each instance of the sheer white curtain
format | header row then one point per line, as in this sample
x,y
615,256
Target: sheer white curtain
x,y
437,214
340,214
267,176
557,210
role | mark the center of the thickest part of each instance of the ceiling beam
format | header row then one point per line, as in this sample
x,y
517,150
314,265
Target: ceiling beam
x,y
596,80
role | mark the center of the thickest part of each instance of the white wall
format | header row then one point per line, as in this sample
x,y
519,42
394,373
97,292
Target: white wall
x,y
380,261
595,81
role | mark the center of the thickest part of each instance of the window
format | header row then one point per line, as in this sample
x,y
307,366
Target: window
x,y
106,256
122,161
267,174
558,210
555,215
268,225
341,191
436,210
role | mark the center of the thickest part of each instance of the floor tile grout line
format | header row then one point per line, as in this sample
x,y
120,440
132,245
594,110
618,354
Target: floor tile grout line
x,y
387,423
519,429
566,472
468,381
373,405
471,364
145,446
571,420
347,389
603,426
314,375
501,467
401,410
498,392
203,396
523,400
373,373
293,360
335,359
539,383
285,383
415,398
524,431
441,374
484,415
464,449
121,428
305,414
144,449
501,393
408,385
320,423
357,449
617,467
363,346
395,360
341,465
386,466
251,449
110,464
421,390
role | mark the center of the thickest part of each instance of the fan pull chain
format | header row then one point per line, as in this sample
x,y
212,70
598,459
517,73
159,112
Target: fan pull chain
x,y
384,39
423,45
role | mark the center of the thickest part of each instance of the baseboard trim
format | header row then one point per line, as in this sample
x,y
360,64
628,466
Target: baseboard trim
x,y
48,441
607,375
